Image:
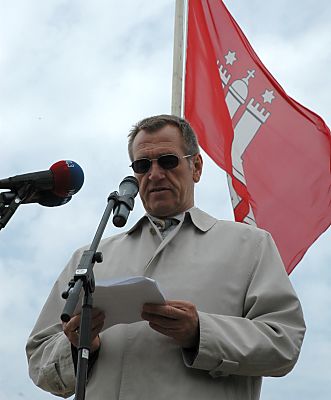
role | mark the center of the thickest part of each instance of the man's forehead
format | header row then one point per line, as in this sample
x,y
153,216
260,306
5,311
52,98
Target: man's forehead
x,y
166,138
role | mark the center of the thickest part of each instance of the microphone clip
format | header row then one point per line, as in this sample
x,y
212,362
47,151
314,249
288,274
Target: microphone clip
x,y
126,199
123,204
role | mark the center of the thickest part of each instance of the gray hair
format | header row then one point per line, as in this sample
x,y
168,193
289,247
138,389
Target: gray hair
x,y
157,122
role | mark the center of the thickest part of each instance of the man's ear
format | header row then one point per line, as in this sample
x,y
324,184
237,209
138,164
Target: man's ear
x,y
197,167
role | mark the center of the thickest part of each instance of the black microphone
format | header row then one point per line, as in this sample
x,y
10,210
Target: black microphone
x,y
45,198
50,188
128,189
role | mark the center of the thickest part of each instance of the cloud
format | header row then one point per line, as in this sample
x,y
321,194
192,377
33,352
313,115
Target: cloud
x,y
76,76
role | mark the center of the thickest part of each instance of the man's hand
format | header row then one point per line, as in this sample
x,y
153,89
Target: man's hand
x,y
71,329
177,319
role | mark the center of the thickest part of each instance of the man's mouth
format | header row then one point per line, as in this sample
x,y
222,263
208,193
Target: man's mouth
x,y
158,189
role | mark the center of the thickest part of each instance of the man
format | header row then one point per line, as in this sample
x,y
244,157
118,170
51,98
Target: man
x,y
232,315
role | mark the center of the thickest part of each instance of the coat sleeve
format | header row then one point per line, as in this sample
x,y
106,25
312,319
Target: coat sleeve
x,y
48,350
266,339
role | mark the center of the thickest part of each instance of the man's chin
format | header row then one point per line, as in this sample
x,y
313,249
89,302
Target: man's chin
x,y
162,211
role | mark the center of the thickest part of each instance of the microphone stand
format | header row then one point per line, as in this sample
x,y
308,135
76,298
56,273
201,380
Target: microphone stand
x,y
84,278
10,201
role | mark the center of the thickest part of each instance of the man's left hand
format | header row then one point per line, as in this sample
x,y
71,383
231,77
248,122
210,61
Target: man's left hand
x,y
177,319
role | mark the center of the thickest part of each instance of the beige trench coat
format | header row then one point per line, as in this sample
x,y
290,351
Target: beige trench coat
x,y
251,323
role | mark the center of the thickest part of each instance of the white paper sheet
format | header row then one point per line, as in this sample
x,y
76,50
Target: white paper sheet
x,y
122,299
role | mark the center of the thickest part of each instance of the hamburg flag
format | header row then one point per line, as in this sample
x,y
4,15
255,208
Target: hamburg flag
x,y
275,151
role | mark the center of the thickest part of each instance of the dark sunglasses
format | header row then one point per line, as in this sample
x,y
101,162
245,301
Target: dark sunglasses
x,y
166,161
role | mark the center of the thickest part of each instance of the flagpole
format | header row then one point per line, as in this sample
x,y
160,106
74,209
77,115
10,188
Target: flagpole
x,y
178,59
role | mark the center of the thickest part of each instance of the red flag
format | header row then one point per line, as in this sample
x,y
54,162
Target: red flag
x,y
276,152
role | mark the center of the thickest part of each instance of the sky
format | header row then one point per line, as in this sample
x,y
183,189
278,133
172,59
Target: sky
x,y
74,77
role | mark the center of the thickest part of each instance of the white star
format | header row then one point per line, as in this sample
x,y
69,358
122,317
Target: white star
x,y
268,96
230,57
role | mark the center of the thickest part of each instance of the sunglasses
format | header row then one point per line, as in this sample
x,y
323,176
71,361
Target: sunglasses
x,y
166,161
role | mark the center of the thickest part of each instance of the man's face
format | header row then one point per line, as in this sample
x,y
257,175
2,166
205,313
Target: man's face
x,y
165,193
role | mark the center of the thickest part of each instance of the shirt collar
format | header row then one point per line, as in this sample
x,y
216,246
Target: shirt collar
x,y
199,218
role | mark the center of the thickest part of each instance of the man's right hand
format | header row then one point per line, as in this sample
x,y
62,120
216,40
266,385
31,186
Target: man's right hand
x,y
71,329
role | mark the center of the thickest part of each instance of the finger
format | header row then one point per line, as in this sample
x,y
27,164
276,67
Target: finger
x,y
164,310
70,331
162,330
98,318
165,322
72,325
71,328
96,330
95,343
178,336
97,312
181,304
72,336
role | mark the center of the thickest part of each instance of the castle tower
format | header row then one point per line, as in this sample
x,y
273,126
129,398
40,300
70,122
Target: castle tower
x,y
237,94
225,76
244,132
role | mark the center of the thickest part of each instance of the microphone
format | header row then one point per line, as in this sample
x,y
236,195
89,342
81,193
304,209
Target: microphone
x,y
44,198
129,188
50,188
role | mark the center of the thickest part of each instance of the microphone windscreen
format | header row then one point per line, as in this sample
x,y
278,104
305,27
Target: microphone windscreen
x,y
68,178
129,185
48,199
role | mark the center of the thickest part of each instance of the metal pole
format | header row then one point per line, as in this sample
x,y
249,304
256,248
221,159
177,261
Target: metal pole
x,y
178,59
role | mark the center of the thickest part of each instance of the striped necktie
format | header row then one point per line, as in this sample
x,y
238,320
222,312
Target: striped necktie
x,y
165,225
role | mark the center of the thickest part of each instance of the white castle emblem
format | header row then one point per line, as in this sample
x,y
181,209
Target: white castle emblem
x,y
248,125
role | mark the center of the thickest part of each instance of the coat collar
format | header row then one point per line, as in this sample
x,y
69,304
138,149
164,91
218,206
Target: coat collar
x,y
199,218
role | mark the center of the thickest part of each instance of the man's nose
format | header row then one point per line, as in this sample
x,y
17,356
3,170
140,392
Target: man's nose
x,y
156,172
